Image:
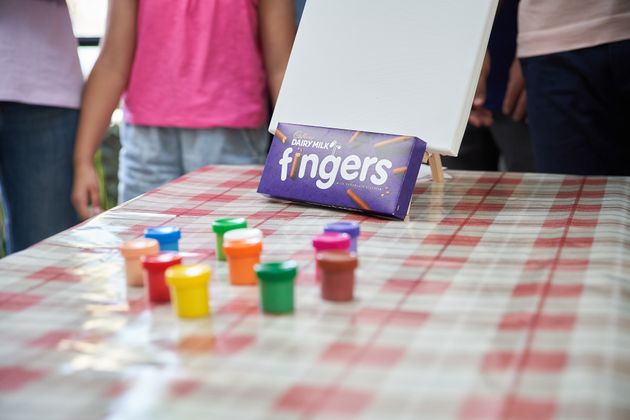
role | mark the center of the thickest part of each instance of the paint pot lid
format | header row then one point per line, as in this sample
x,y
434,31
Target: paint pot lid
x,y
163,233
351,228
243,235
331,241
221,226
161,261
337,260
138,247
276,270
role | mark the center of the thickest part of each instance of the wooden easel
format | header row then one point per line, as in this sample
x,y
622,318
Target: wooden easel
x,y
434,160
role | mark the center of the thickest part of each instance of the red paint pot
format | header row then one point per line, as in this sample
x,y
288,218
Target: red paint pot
x,y
154,268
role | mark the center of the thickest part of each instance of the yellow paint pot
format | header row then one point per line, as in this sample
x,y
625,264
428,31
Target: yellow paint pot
x,y
189,289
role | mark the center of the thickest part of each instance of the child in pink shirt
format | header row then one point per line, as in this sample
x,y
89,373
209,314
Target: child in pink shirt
x,y
197,77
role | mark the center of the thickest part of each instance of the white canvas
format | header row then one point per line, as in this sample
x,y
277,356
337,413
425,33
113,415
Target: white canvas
x,y
405,67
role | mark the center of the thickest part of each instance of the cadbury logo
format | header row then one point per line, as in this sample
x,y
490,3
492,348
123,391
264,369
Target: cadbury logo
x,y
316,144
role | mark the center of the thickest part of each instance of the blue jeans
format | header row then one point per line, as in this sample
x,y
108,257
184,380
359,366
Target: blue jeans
x,y
152,156
579,110
36,146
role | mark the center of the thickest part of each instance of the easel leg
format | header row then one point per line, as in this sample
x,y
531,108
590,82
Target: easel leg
x,y
435,162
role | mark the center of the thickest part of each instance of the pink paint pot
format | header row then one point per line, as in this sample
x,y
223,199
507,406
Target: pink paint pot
x,y
337,275
329,241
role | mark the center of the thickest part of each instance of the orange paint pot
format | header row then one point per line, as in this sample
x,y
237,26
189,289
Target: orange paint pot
x,y
243,250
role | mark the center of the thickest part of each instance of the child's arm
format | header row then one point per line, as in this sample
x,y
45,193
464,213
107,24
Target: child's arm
x,y
277,32
101,95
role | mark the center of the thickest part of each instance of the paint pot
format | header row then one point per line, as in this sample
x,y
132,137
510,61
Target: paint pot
x,y
132,251
351,228
221,226
337,271
189,289
154,279
331,241
276,286
167,236
242,248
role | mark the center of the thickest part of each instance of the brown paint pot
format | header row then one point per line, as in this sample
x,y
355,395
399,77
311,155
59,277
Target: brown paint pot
x,y
337,275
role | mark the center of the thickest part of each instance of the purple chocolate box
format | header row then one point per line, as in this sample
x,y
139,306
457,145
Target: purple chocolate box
x,y
370,172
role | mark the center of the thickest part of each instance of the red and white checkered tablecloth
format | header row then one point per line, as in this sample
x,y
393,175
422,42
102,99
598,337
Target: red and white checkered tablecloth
x,y
505,296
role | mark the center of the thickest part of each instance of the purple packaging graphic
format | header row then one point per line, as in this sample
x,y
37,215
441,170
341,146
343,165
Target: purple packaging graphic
x,y
370,172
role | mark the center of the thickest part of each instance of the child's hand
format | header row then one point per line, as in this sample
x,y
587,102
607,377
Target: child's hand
x,y
85,191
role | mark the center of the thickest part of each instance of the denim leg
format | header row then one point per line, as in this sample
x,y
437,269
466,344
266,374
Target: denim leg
x,y
36,146
574,116
223,146
619,53
150,157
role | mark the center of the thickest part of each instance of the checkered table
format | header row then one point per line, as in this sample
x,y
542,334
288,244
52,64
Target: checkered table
x,y
505,296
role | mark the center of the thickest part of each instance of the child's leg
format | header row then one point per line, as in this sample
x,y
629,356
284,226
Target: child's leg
x,y
223,146
150,157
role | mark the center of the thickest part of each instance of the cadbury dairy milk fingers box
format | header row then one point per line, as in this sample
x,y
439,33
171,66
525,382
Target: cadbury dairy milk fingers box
x,y
368,172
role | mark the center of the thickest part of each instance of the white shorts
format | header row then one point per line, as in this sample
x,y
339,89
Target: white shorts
x,y
153,156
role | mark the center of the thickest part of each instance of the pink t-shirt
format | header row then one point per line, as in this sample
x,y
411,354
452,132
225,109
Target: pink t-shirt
x,y
197,64
550,26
